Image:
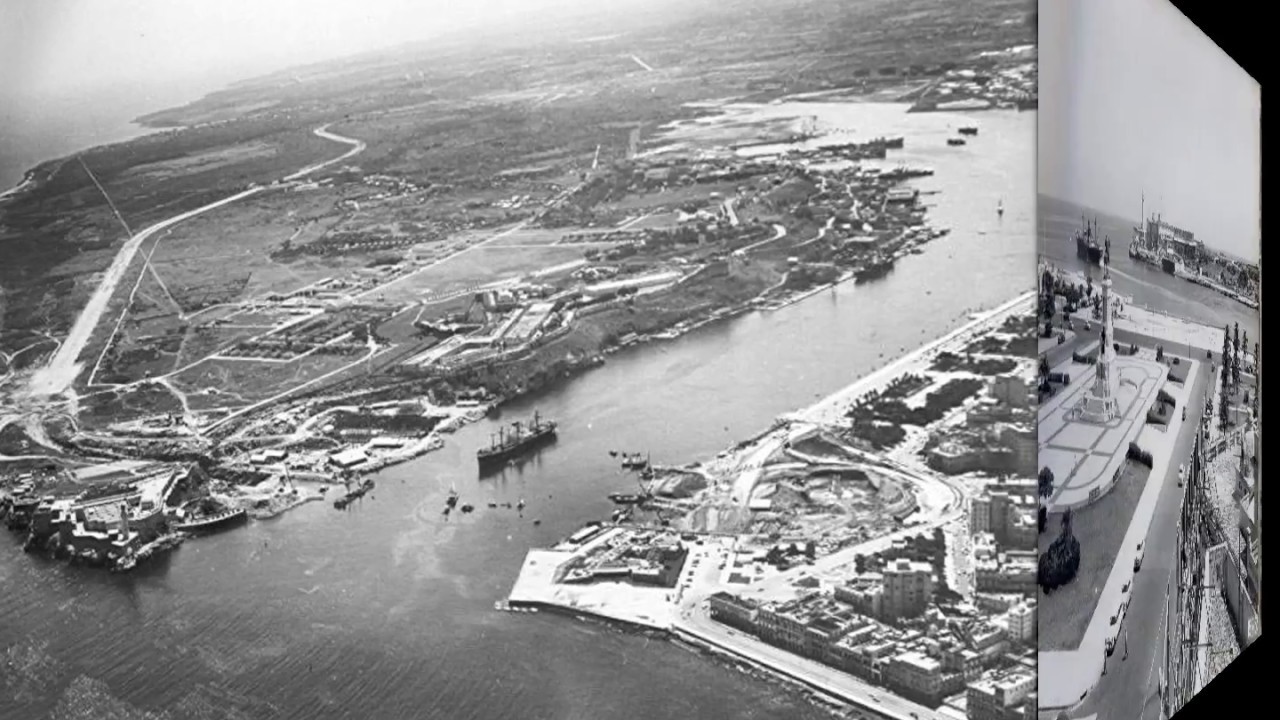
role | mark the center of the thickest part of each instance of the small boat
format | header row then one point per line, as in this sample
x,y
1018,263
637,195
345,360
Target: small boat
x,y
635,462
493,504
969,130
626,498
1000,207
613,453
520,505
955,141
468,508
537,522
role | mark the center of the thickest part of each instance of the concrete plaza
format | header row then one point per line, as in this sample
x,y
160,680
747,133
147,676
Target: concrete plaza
x,y
1067,677
1085,457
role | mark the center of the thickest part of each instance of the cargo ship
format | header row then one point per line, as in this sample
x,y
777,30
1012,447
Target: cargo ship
x,y
1087,246
211,522
878,267
506,445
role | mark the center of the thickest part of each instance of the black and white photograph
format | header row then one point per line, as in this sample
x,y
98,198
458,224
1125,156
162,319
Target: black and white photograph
x,y
548,359
1149,242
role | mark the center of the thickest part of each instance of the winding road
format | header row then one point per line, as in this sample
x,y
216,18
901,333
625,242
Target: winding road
x,y
58,376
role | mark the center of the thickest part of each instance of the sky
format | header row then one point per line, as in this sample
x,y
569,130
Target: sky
x,y
1135,99
54,49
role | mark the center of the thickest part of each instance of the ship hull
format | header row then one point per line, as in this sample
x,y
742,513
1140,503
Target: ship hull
x,y
872,273
494,456
1091,254
215,523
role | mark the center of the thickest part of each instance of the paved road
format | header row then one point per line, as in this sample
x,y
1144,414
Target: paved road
x,y
875,700
1129,688
63,369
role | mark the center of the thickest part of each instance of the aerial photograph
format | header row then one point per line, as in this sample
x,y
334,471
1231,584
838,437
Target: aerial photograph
x,y
548,359
1149,227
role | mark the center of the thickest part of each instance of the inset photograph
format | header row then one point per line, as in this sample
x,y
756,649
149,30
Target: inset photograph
x,y
1149,339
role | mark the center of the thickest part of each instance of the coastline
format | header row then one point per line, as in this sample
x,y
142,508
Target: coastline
x,y
630,606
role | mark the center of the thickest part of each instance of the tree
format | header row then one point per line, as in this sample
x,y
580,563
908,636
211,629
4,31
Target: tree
x,y
1042,518
1058,565
1237,340
1044,367
1046,482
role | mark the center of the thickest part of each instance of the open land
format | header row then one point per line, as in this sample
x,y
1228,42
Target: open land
x,y
314,274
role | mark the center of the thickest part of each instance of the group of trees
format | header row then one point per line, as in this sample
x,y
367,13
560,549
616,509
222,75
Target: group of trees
x,y
1059,564
1045,491
1233,342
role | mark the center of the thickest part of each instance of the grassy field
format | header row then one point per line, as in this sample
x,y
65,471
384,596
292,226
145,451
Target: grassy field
x,y
477,267
452,129
247,380
1100,528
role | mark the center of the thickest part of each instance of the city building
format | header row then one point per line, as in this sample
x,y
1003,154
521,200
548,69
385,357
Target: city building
x,y
1003,695
908,588
916,676
865,594
980,514
1020,622
1013,390
1010,571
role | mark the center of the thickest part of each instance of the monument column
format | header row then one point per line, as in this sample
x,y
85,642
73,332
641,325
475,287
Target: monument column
x,y
1101,404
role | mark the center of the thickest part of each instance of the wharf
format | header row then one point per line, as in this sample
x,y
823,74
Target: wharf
x,y
616,601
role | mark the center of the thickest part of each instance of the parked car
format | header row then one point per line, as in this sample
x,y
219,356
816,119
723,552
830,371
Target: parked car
x,y
1137,560
1182,474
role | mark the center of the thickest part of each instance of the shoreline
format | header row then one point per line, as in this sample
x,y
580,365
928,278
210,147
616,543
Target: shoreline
x,y
671,620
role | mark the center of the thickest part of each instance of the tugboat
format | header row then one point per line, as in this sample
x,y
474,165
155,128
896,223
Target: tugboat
x,y
506,445
1087,246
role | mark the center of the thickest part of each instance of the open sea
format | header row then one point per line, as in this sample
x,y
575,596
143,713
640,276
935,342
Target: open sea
x,y
1149,286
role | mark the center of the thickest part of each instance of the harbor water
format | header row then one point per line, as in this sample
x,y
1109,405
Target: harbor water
x,y
386,610
1149,286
